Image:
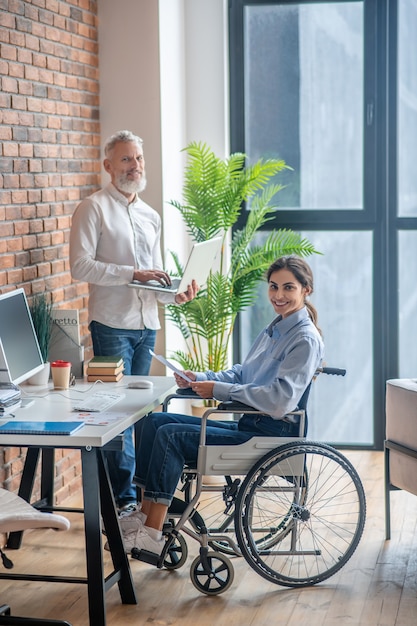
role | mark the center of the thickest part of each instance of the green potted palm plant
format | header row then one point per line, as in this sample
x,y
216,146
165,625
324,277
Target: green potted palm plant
x,y
214,193
41,313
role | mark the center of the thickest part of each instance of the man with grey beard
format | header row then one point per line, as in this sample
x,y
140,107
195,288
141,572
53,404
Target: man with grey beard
x,y
115,238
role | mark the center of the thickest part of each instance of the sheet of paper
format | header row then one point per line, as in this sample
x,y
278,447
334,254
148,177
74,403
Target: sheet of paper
x,y
100,419
172,367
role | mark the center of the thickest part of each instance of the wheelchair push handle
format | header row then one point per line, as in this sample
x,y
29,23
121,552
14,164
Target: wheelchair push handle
x,y
334,371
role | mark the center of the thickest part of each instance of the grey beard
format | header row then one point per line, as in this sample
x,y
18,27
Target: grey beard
x,y
131,186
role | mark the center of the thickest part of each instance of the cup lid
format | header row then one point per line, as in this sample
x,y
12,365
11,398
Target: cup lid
x,y
60,364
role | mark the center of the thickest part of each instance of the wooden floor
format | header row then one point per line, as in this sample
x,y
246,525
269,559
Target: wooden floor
x,y
377,587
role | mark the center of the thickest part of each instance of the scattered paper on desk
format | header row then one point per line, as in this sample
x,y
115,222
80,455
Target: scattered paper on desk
x,y
172,367
101,419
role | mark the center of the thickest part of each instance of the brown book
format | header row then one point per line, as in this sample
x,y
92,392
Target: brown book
x,y
106,361
112,378
107,371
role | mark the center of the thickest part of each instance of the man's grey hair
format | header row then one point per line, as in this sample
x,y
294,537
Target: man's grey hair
x,y
121,135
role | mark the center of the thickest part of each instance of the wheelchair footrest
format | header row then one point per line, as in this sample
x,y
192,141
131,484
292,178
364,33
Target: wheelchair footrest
x,y
146,556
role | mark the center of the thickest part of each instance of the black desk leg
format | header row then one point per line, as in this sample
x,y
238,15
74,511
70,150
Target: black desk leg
x,y
47,477
95,482
114,538
94,555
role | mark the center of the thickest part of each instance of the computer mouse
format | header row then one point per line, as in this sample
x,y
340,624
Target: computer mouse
x,y
140,384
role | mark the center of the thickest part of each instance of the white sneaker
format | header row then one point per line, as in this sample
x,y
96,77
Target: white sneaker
x,y
131,521
142,541
128,521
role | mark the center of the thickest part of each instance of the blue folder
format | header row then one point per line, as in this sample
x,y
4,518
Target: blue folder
x,y
40,428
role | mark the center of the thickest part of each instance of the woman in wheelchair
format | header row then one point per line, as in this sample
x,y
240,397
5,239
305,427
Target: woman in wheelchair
x,y
278,368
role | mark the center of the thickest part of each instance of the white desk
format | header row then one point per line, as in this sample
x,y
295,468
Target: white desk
x,y
97,492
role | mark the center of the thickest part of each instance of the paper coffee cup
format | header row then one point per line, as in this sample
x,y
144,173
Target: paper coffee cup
x,y
61,374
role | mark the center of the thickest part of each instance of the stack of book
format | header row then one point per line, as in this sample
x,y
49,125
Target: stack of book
x,y
108,369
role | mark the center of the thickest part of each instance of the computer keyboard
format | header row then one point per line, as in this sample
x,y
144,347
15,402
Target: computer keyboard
x,y
97,402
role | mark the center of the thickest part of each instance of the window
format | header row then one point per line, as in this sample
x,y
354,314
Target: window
x,y
303,86
331,87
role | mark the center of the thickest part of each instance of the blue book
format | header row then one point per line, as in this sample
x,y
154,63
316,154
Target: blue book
x,y
40,428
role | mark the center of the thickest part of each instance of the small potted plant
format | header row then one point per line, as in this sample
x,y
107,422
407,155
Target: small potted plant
x,y
41,312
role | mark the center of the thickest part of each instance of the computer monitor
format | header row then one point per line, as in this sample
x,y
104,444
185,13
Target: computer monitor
x,y
20,355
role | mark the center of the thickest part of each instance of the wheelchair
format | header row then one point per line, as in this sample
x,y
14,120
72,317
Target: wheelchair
x,y
293,509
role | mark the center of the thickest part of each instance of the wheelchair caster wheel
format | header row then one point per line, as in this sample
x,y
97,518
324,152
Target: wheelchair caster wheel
x,y
177,553
215,581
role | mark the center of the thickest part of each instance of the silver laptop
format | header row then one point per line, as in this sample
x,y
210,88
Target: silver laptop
x,y
197,268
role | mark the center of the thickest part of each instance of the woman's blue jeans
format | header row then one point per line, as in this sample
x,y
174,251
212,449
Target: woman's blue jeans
x,y
169,441
133,346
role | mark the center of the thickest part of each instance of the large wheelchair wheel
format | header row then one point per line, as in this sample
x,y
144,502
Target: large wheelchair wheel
x,y
315,493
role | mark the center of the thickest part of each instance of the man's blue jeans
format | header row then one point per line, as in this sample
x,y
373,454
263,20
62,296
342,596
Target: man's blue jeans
x,y
133,346
169,441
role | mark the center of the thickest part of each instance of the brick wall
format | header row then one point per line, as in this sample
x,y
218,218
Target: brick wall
x,y
49,160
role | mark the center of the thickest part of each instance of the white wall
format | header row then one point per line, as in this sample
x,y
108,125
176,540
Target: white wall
x,y
207,73
193,93
129,80
163,75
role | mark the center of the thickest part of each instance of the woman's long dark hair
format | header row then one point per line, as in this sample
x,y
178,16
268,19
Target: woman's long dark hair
x,y
304,276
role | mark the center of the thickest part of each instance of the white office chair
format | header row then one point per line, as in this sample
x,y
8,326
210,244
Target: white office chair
x,y
15,515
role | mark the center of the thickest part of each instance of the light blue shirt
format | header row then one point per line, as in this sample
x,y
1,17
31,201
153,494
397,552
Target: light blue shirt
x,y
280,365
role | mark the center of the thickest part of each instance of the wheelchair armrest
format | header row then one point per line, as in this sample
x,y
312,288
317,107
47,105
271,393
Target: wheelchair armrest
x,y
233,405
227,405
187,393
230,405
